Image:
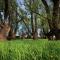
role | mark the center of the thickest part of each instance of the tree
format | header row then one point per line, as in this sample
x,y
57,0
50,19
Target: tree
x,y
6,11
10,15
32,5
48,13
1,4
13,18
4,30
54,25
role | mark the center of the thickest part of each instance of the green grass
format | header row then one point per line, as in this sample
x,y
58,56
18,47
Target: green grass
x,y
30,50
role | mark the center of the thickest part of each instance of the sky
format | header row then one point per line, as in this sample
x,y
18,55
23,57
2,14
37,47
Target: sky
x,y
20,3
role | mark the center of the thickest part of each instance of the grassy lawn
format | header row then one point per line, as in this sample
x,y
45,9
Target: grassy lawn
x,y
30,50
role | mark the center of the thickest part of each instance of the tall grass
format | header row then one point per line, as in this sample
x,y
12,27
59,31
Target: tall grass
x,y
30,50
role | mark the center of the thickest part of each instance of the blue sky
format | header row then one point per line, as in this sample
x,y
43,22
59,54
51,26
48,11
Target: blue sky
x,y
20,2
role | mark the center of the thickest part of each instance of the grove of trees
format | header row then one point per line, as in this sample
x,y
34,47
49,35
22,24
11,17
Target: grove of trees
x,y
43,14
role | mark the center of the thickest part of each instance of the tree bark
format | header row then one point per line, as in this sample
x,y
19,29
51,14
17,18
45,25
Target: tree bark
x,y
48,13
6,9
54,24
55,18
36,26
55,14
32,24
32,20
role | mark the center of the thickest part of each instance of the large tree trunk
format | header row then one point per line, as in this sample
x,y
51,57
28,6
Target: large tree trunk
x,y
55,14
11,34
48,19
55,18
48,14
54,24
4,30
12,31
6,9
32,20
36,26
33,28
